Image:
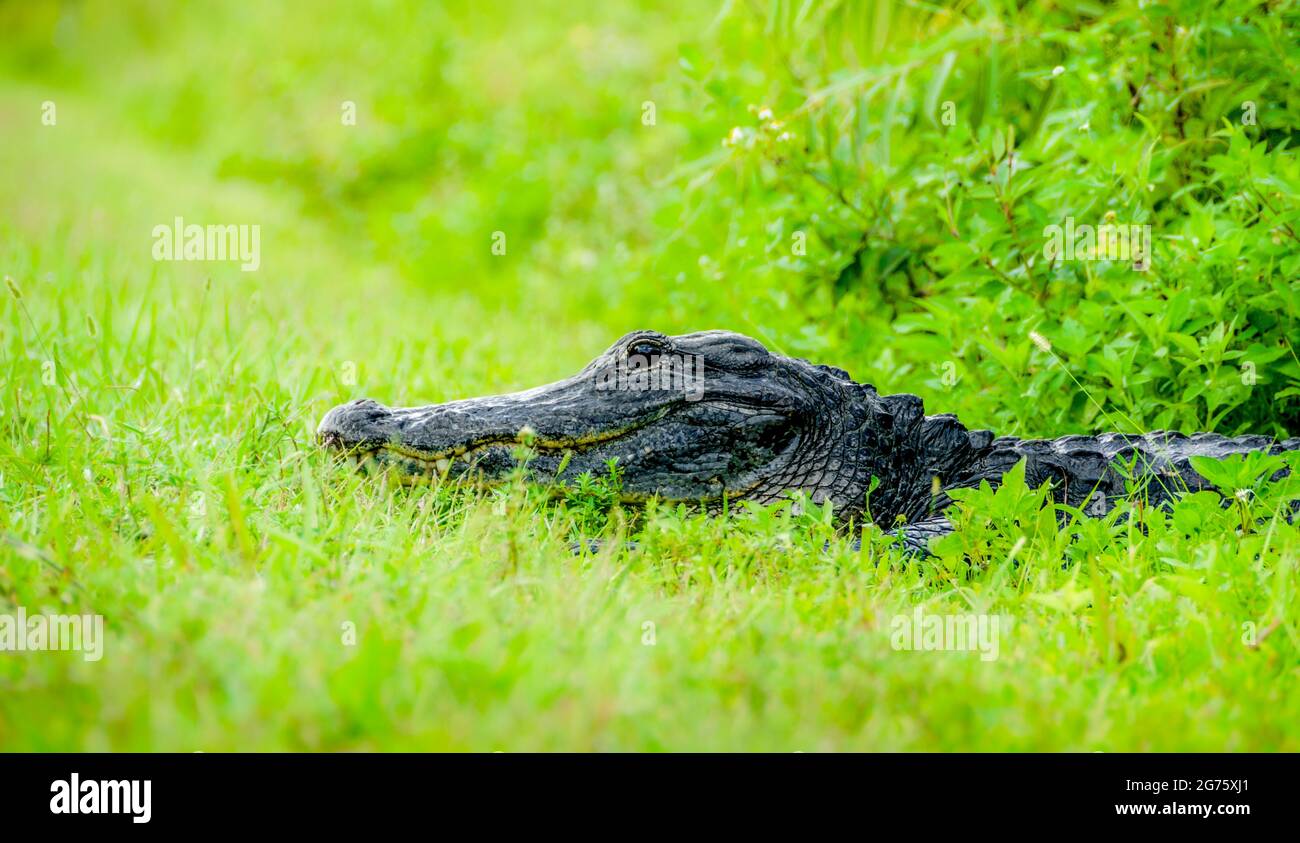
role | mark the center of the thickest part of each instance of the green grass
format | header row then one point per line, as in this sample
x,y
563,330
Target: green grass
x,y
157,466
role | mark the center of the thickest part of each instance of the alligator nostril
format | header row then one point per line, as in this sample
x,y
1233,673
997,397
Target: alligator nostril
x,y
328,432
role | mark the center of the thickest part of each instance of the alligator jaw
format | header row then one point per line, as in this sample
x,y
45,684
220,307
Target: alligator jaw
x,y
412,466
467,440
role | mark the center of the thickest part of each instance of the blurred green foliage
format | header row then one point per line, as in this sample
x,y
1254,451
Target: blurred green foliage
x,y
921,151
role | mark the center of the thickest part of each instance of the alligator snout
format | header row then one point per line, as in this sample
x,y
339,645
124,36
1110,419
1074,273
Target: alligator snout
x,y
356,424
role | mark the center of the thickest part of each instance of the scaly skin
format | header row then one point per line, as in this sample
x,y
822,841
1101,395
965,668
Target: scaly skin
x,y
709,416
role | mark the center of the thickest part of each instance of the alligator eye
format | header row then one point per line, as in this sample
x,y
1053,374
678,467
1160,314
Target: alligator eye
x,y
645,348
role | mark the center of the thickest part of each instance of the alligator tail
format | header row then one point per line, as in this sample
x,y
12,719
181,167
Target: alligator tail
x,y
1090,471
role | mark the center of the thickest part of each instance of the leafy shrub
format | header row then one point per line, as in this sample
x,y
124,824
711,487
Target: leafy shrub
x,y
888,174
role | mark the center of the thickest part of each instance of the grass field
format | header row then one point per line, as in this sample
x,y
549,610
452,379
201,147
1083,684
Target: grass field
x,y
157,465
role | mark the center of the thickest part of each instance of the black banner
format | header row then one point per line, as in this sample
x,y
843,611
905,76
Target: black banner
x,y
537,792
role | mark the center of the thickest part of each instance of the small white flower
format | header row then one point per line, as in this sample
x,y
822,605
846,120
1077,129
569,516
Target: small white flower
x,y
764,113
1058,70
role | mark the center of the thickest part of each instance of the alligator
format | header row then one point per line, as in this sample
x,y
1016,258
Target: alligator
x,y
714,417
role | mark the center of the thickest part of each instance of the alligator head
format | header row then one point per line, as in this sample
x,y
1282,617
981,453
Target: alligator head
x,y
694,418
